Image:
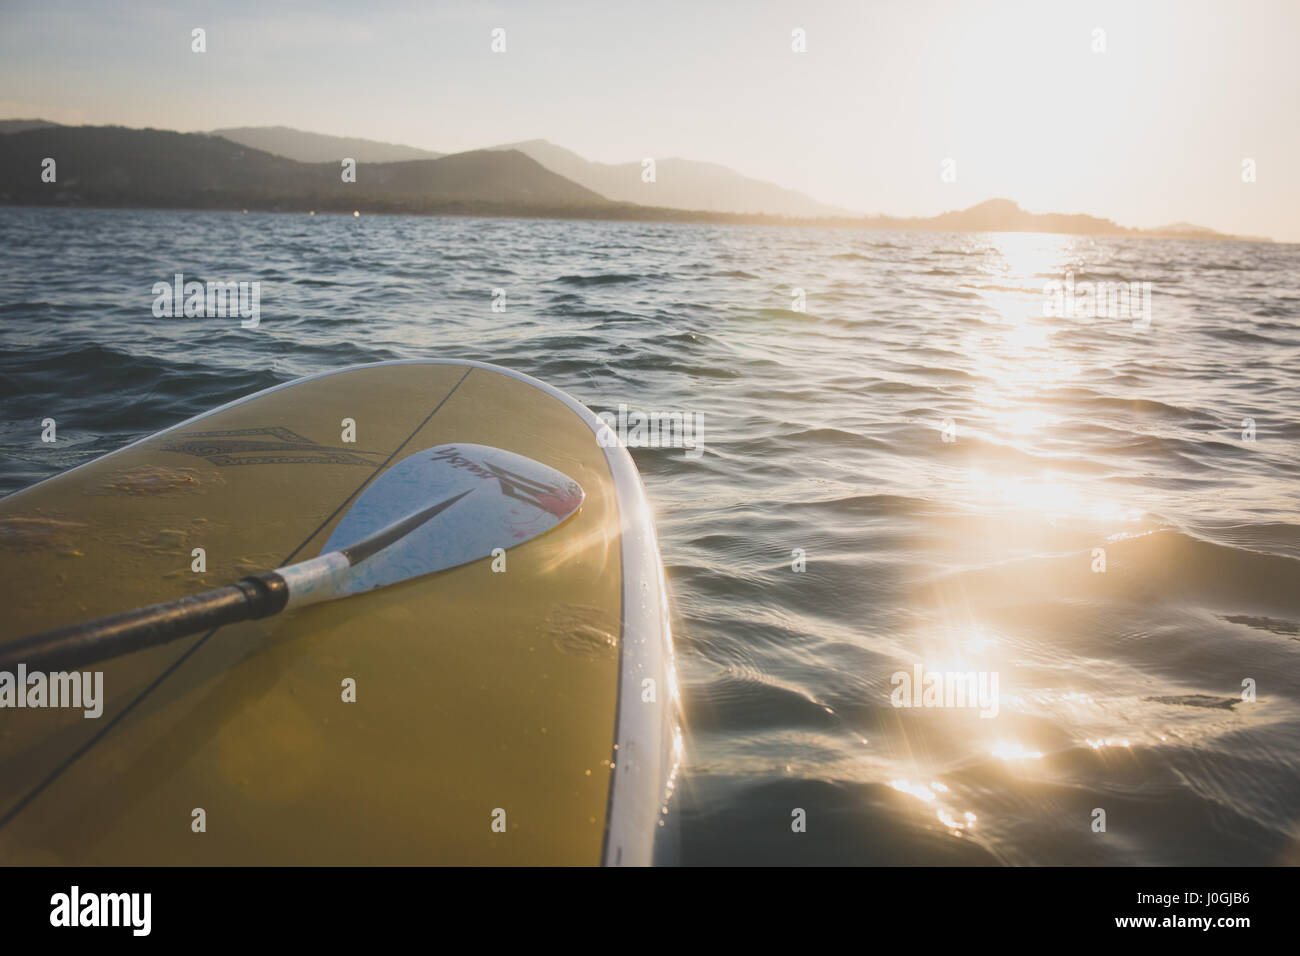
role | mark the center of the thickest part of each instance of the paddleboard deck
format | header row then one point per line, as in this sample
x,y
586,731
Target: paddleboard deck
x,y
516,710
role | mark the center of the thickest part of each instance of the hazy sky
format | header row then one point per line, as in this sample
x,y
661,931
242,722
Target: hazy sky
x,y
1153,130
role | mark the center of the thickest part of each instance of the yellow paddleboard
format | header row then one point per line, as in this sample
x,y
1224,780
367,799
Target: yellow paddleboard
x,y
519,709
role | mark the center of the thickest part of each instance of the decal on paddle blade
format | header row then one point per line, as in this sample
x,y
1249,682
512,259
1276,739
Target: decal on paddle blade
x,y
558,501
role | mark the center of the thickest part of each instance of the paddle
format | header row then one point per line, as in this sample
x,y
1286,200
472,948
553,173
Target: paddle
x,y
437,509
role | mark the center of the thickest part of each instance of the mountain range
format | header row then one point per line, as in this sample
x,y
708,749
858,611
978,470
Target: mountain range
x,y
282,169
679,183
115,166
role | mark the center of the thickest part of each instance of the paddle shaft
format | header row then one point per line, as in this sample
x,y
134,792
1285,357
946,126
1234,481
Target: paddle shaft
x,y
75,646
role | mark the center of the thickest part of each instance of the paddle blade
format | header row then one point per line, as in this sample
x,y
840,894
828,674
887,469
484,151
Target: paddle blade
x,y
503,500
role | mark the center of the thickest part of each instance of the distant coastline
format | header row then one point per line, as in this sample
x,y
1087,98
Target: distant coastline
x,y
117,167
628,212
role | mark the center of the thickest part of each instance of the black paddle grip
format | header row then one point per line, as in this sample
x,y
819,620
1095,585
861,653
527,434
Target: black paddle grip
x,y
75,646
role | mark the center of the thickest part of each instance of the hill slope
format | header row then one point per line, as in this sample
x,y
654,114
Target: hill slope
x,y
320,148
679,184
18,125
1003,215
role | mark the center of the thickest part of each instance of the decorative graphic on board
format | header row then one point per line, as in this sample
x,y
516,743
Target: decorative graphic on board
x,y
267,446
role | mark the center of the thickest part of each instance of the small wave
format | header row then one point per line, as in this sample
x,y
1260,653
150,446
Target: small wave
x,y
609,278
1196,700
1273,625
1086,399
